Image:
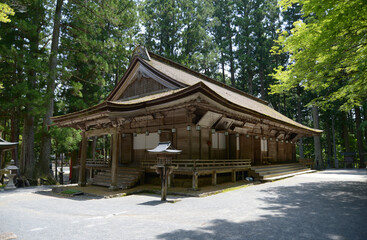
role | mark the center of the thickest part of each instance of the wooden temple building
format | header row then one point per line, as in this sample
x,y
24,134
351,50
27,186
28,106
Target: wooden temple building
x,y
221,131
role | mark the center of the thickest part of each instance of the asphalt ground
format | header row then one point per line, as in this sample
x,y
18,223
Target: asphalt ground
x,y
331,204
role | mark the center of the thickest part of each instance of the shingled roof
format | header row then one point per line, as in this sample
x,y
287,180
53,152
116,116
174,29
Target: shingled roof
x,y
185,80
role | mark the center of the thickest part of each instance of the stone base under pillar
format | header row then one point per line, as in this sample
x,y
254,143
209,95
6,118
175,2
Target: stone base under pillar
x,y
113,188
82,184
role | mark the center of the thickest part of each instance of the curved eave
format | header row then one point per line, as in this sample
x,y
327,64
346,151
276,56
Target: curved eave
x,y
218,98
109,107
202,88
85,112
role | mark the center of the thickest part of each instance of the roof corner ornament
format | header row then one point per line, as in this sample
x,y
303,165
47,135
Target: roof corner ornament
x,y
142,52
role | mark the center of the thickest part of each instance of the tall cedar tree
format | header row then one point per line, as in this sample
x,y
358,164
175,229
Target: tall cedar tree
x,y
45,150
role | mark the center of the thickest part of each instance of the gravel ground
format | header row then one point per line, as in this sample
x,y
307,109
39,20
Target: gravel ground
x,y
330,204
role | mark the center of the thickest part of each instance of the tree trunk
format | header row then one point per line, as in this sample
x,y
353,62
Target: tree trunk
x,y
328,142
345,132
45,152
249,81
27,165
262,81
299,119
359,136
27,155
231,57
336,163
223,70
15,134
317,140
365,120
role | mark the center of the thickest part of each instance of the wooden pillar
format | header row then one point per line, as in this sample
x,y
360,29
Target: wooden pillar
x,y
94,145
1,159
252,149
200,145
169,180
114,164
195,181
83,158
234,176
214,178
227,144
190,142
237,146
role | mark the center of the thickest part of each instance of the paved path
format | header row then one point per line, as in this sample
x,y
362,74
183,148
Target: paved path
x,y
326,205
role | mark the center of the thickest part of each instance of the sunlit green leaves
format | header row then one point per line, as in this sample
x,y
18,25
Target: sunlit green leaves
x,y
327,52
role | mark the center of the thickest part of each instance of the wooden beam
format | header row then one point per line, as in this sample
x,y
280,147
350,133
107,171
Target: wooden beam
x,y
99,132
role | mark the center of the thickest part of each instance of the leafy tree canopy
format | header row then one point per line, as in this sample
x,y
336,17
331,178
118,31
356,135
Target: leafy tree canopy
x,y
5,12
328,52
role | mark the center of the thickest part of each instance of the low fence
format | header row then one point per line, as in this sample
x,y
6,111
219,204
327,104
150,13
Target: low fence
x,y
193,165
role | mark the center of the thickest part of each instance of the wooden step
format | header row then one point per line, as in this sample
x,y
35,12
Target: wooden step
x,y
126,177
283,173
279,170
270,179
273,172
268,167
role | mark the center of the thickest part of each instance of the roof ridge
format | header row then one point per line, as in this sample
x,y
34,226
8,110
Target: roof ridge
x,y
204,77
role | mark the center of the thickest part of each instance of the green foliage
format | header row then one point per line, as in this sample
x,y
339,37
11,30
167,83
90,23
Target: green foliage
x,y
327,52
65,139
320,56
96,43
5,12
180,30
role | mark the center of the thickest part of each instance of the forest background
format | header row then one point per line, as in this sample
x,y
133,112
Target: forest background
x,y
307,58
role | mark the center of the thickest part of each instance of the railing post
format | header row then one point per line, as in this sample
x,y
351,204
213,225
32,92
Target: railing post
x,y
234,176
214,178
195,180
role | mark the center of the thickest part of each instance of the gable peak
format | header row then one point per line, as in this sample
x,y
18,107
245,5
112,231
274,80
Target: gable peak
x,y
141,51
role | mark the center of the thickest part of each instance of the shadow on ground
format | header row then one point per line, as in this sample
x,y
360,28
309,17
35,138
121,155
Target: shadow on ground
x,y
325,210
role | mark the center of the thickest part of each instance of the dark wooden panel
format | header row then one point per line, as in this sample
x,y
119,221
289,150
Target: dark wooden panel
x,y
126,145
281,151
166,135
232,146
273,150
182,142
195,143
246,151
205,139
257,151
288,152
142,86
